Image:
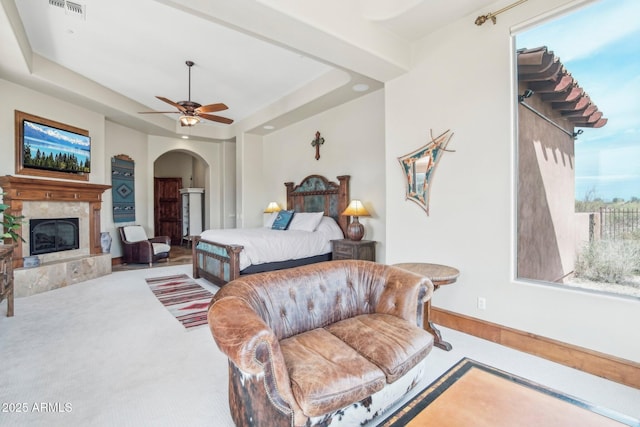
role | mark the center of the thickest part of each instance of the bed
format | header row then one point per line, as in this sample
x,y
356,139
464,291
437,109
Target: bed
x,y
220,256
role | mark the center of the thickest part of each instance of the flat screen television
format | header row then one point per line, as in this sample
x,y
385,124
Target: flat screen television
x,y
52,147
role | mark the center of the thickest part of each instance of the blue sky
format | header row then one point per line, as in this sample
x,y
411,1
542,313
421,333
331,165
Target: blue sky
x,y
599,44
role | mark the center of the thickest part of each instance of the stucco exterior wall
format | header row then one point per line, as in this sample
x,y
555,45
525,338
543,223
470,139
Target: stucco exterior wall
x,y
546,193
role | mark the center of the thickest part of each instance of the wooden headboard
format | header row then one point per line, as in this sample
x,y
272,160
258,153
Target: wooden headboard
x,y
316,193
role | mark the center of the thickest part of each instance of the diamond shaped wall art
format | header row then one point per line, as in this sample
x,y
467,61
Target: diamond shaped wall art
x,y
123,188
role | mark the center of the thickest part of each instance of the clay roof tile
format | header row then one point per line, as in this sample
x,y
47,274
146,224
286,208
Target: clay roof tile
x,y
545,75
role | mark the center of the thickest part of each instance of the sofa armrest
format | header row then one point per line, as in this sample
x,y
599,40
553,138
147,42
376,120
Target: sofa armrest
x,y
253,347
238,331
404,295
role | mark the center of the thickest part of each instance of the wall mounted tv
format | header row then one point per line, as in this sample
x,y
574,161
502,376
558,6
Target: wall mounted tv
x,y
52,149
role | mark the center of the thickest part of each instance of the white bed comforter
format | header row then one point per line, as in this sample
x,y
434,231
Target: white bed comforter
x,y
262,245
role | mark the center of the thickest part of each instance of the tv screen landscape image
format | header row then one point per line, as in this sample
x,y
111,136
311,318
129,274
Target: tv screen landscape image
x,y
50,148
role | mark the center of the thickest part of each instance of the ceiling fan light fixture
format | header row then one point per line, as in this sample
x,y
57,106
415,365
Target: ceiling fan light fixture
x,y
189,120
192,112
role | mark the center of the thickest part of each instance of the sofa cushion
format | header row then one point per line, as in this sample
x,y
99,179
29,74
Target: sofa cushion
x,y
326,374
389,342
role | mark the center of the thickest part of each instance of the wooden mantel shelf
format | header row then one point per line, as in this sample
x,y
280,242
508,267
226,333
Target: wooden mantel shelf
x,y
18,190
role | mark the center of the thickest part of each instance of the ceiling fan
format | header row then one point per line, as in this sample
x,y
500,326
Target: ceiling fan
x,y
191,111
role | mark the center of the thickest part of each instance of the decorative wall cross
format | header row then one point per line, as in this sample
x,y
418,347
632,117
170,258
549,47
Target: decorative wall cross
x,y
317,143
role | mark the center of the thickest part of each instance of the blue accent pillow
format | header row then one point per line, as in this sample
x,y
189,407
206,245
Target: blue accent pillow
x,y
282,220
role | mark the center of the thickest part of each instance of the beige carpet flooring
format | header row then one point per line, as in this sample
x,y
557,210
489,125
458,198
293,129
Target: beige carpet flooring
x,y
105,352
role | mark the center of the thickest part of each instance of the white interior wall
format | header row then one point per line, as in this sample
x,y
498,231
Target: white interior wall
x,y
229,191
462,80
123,140
199,173
250,180
354,145
175,165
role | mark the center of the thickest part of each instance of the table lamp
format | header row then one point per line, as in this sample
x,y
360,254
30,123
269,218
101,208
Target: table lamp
x,y
272,207
355,230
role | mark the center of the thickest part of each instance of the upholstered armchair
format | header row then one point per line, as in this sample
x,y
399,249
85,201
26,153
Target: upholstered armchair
x,y
137,248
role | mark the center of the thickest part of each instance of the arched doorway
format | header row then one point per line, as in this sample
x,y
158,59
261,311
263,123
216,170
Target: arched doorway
x,y
174,170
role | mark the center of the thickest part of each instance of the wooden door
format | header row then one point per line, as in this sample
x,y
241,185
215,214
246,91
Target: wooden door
x,y
167,208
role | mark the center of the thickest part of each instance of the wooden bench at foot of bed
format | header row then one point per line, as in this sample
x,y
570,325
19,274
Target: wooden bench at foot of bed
x,y
216,262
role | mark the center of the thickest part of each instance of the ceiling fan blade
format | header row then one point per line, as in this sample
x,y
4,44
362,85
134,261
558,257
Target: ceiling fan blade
x,y
216,118
157,112
170,102
211,108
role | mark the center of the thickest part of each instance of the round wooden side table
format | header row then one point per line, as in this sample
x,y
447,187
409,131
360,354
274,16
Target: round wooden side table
x,y
439,275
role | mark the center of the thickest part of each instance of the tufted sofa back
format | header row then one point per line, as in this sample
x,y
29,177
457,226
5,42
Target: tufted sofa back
x,y
301,299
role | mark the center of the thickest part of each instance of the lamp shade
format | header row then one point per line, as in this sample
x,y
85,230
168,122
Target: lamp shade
x,y
356,209
272,207
355,230
189,120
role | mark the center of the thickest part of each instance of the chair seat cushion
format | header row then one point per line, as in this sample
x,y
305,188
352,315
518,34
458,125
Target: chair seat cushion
x,y
135,233
326,374
389,342
159,248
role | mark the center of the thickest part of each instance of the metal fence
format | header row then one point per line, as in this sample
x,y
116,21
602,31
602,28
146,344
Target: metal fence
x,y
618,224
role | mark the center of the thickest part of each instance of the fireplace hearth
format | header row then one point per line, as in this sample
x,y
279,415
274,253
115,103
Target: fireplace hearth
x,y
53,235
46,198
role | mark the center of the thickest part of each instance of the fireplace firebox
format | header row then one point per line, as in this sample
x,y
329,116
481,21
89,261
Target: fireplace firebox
x,y
53,235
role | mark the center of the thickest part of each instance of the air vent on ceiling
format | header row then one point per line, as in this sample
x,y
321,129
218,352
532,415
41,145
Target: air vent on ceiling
x,y
75,9
70,8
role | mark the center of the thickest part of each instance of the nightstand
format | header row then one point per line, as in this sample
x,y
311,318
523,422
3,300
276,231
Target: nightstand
x,y
354,249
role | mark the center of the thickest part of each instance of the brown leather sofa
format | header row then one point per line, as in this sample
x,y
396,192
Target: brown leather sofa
x,y
333,343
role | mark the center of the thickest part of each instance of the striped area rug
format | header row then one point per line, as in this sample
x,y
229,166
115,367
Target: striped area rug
x,y
183,297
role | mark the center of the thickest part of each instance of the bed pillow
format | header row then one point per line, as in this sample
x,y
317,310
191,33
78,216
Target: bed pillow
x,y
267,220
306,221
282,220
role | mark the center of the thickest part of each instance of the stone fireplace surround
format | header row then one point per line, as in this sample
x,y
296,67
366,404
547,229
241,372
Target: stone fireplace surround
x,y
43,198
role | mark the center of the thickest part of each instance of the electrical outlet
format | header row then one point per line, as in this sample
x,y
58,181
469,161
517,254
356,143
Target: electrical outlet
x,y
482,303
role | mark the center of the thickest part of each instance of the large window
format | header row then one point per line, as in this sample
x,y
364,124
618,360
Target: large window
x,y
578,208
